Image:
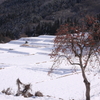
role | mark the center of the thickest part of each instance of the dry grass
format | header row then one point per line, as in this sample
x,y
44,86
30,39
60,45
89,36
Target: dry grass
x,y
26,45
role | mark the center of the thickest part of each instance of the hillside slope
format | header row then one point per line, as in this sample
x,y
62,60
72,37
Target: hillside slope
x,y
31,64
37,17
1,1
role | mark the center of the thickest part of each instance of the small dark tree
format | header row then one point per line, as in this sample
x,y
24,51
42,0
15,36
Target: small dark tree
x,y
77,42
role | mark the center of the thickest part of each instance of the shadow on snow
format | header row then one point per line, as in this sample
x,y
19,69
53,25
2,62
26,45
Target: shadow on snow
x,y
55,71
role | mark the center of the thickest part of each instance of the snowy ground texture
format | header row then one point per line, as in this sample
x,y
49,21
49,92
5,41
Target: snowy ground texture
x,y
31,62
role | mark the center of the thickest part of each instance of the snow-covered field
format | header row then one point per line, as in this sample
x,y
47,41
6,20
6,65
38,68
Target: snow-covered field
x,y
31,62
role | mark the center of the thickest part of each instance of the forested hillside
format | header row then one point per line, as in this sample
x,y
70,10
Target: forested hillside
x,y
1,1
36,17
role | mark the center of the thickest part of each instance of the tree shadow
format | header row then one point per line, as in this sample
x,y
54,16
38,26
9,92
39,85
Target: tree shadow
x,y
59,71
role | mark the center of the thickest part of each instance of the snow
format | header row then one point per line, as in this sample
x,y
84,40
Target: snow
x,y
31,65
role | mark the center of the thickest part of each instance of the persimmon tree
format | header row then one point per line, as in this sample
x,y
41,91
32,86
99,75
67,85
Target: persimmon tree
x,y
80,42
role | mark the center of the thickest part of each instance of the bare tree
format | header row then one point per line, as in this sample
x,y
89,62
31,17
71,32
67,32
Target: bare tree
x,y
78,42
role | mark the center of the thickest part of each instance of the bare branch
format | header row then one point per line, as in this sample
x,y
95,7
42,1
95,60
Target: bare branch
x,y
71,61
88,57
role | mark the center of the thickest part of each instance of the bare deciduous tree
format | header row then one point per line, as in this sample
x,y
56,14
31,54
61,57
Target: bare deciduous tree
x,y
80,42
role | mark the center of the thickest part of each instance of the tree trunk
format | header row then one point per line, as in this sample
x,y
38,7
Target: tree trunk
x,y
87,84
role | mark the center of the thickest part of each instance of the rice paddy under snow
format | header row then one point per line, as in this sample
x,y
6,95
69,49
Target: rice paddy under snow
x,y
31,62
